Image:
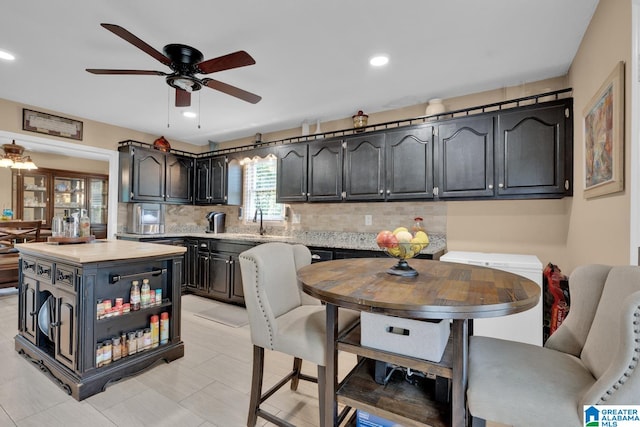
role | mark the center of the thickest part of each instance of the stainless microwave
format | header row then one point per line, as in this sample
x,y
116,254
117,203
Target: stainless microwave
x,y
145,218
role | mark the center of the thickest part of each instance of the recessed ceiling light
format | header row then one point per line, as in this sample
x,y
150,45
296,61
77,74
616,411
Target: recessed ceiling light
x,y
6,55
189,114
379,60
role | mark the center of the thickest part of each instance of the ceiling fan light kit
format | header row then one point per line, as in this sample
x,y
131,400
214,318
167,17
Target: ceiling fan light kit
x,y
185,62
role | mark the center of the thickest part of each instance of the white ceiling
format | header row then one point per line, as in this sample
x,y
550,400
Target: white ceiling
x,y
311,56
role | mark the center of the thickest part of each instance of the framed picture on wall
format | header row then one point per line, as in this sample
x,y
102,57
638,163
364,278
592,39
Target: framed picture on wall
x,y
604,137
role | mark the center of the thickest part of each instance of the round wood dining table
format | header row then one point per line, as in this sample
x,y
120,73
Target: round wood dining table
x,y
441,290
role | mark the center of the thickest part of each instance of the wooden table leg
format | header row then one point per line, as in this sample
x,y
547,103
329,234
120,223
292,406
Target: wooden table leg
x,y
460,332
330,404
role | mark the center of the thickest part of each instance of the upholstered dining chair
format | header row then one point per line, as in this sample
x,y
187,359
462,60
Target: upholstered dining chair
x,y
284,319
591,359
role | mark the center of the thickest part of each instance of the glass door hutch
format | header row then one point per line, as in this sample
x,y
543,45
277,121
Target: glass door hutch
x,y
43,193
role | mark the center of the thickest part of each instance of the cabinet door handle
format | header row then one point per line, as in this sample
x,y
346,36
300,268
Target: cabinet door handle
x,y
388,191
490,186
381,191
501,185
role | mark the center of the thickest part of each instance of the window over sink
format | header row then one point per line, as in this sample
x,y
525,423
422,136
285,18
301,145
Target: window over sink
x,y
260,189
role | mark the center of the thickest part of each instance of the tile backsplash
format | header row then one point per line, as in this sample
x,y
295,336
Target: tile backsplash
x,y
345,217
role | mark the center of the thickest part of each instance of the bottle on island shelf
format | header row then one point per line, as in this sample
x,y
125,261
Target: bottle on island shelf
x,y
135,296
145,295
164,327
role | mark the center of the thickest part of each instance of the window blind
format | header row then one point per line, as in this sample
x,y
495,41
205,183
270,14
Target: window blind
x,y
260,189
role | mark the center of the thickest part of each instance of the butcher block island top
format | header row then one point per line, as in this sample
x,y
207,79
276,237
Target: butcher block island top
x,y
100,250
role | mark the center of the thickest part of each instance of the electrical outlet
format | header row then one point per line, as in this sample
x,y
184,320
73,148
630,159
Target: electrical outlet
x,y
367,220
295,219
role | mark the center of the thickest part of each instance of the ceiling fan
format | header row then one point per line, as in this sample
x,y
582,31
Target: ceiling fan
x,y
185,62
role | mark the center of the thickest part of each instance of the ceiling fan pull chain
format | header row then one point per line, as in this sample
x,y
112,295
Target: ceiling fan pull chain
x,y
199,96
168,105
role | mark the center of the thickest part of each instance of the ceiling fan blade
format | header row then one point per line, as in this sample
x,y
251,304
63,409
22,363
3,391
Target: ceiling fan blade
x,y
232,90
143,46
142,72
226,62
183,98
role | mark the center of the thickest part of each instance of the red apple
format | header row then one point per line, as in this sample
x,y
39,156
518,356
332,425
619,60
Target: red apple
x,y
386,239
392,241
381,238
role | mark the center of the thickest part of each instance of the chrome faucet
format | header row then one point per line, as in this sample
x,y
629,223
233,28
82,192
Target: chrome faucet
x,y
255,219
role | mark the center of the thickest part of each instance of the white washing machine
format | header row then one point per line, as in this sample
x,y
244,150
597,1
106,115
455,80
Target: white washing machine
x,y
525,326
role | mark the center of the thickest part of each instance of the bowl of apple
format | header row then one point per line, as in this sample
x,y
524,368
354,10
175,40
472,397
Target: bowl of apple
x,y
402,244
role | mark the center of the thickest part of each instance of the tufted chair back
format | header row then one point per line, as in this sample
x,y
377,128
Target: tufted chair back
x,y
271,287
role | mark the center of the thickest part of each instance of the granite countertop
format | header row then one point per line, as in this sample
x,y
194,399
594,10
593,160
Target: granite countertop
x,y
323,239
100,250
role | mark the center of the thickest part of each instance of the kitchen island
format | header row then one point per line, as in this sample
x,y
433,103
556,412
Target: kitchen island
x,y
61,329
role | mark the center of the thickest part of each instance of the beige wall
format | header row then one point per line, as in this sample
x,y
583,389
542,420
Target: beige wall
x,y
599,228
95,134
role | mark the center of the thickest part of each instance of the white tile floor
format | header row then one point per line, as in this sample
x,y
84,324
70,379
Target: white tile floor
x,y
209,386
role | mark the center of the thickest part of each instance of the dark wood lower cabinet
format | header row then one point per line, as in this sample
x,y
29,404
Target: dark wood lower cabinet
x,y
219,275
214,270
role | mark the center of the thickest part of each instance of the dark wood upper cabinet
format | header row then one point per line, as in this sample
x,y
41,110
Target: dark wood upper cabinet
x,y
518,152
325,171
531,150
149,175
291,185
211,181
364,167
465,157
179,183
409,163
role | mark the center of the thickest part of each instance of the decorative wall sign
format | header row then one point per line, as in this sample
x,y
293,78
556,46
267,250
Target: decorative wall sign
x,y
604,137
49,124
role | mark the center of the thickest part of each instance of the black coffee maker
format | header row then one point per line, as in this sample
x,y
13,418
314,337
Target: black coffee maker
x,y
216,222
